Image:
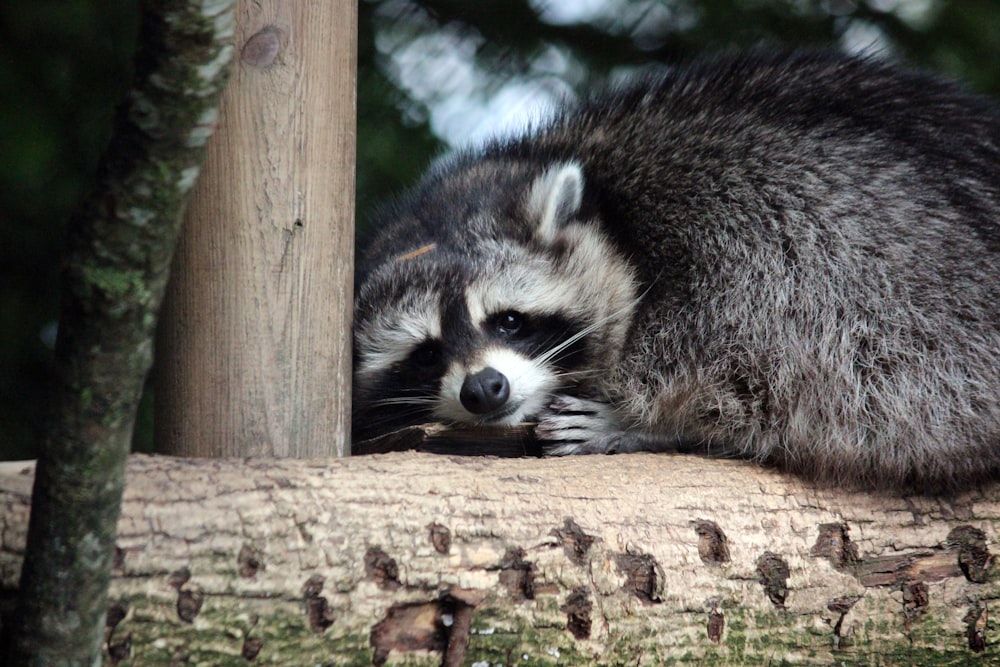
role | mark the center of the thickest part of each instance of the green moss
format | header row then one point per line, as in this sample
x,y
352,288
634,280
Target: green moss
x,y
750,639
735,634
116,284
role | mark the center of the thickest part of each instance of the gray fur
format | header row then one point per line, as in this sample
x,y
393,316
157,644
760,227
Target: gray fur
x,y
793,258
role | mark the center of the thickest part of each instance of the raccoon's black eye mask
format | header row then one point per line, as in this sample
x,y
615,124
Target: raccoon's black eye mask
x,y
536,335
508,324
427,356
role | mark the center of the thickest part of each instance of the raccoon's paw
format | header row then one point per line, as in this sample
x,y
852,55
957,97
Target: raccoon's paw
x,y
572,425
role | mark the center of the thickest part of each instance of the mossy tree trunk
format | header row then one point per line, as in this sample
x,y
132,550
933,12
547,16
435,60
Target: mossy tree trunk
x,y
636,560
119,249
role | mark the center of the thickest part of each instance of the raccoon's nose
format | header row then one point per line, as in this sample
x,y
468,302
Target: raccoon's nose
x,y
484,391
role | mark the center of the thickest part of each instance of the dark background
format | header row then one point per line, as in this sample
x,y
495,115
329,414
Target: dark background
x,y
431,75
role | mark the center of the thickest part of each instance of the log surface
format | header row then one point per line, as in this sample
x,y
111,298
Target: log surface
x,y
641,559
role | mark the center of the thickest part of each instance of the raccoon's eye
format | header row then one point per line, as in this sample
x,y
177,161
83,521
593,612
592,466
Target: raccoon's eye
x,y
427,355
509,323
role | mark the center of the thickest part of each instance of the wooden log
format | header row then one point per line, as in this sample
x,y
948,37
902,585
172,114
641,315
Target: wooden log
x,y
253,356
413,558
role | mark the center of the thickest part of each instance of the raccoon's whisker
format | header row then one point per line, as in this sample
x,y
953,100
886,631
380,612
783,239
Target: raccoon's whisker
x,y
583,372
589,372
587,330
373,424
406,400
550,354
393,415
396,409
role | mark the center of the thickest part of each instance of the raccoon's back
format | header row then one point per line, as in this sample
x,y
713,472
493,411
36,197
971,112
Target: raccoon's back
x,y
763,133
818,239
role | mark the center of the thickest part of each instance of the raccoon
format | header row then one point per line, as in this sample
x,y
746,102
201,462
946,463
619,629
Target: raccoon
x,y
788,257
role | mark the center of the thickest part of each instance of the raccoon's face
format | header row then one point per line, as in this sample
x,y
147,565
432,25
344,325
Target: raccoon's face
x,y
487,329
466,356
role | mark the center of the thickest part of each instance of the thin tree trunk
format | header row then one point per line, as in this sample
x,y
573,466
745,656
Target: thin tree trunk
x,y
253,354
119,251
604,560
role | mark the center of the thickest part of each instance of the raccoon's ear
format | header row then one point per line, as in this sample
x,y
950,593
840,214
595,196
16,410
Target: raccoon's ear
x,y
555,199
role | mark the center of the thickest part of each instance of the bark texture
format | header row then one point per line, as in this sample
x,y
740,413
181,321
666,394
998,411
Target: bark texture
x,y
418,559
119,249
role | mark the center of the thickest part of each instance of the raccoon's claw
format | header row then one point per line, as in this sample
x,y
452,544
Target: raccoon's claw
x,y
572,425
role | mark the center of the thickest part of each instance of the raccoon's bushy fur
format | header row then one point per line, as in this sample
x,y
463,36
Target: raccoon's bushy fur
x,y
793,258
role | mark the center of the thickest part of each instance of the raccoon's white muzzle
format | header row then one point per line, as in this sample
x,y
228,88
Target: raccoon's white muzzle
x,y
500,387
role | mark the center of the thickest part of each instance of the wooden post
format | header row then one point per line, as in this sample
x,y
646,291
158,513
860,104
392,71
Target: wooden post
x,y
253,351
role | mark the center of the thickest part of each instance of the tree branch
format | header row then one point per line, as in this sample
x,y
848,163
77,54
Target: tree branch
x,y
119,250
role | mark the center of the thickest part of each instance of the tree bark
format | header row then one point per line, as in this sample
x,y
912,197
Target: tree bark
x,y
641,559
253,354
118,253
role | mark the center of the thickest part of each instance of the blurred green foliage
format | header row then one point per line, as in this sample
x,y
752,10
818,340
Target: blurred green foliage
x,y
65,64
63,67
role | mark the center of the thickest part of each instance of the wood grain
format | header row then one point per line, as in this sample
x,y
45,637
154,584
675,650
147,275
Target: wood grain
x,y
254,344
